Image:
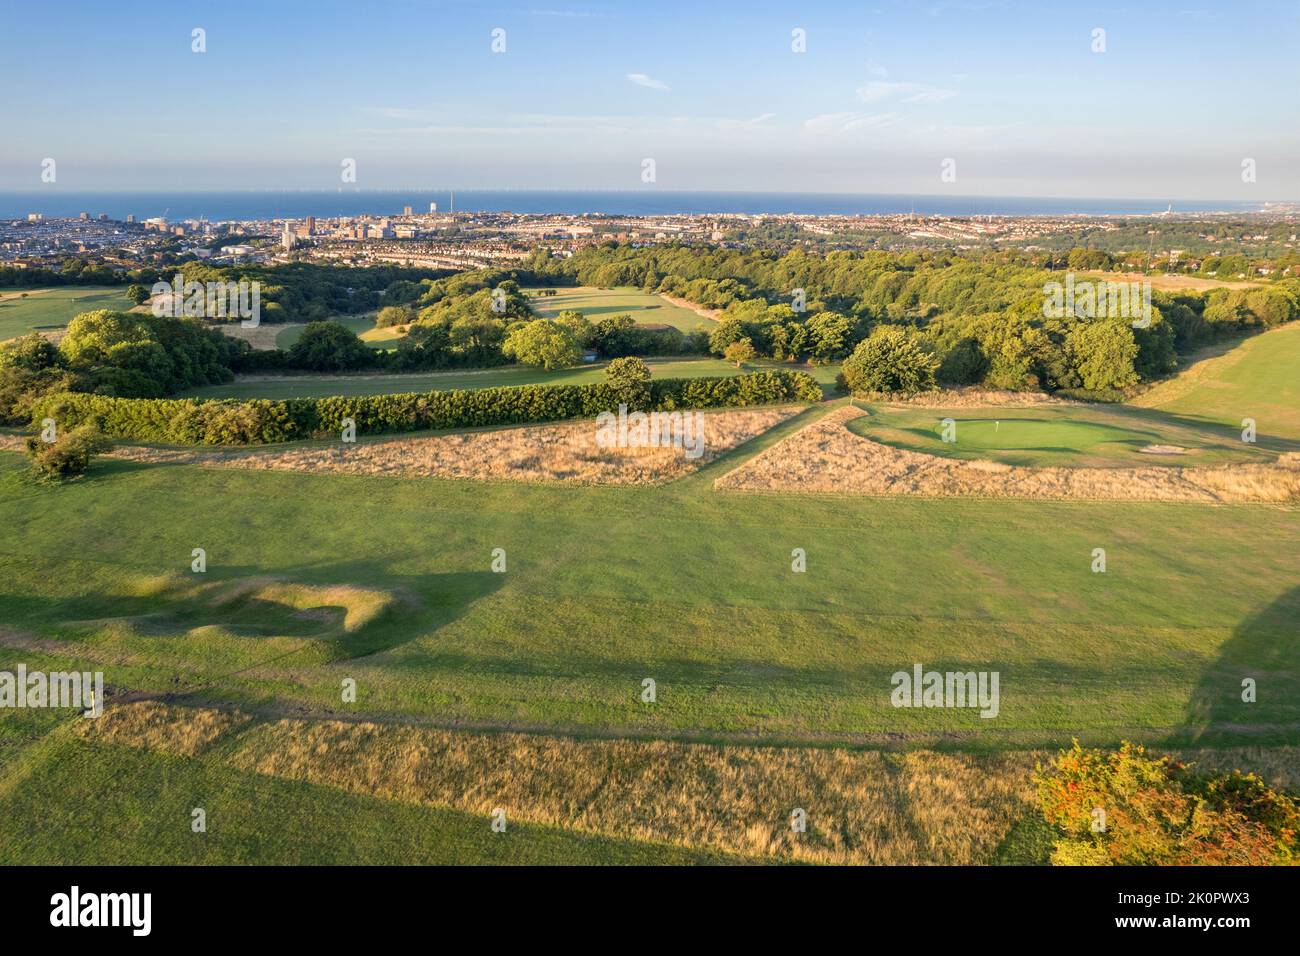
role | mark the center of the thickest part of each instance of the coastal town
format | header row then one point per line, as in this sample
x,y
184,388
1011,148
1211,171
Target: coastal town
x,y
442,239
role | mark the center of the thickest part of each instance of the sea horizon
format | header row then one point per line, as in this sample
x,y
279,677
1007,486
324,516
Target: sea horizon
x,y
243,205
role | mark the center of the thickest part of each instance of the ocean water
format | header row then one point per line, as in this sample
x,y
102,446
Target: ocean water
x,y
221,206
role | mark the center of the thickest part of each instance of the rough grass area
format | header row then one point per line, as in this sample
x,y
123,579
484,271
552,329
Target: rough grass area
x,y
567,453
644,307
862,807
22,310
829,457
150,725
402,794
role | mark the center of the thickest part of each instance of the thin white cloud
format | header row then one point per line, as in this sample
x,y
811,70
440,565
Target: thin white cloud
x,y
555,123
649,82
400,112
878,91
847,122
754,123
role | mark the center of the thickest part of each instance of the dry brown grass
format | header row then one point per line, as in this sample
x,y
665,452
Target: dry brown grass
x,y
714,314
1174,282
908,808
1277,766
550,453
150,725
826,457
862,807
970,396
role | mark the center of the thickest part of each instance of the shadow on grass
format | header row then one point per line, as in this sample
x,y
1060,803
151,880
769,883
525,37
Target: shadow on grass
x,y
1265,649
415,606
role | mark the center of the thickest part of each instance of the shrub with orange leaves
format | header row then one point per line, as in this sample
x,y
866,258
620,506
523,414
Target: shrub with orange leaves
x,y
1126,807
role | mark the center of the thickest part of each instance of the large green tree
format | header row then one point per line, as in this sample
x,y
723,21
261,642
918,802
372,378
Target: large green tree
x,y
890,359
329,347
542,343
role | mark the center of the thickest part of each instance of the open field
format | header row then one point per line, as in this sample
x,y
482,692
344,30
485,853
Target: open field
x,y
1258,378
1174,282
314,578
309,386
521,688
700,585
22,310
644,307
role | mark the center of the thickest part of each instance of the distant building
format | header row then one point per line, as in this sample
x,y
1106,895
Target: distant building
x,y
34,217
130,217
288,238
84,215
433,210
406,211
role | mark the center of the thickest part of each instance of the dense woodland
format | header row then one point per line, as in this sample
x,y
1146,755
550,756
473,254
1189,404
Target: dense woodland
x,y
982,321
898,321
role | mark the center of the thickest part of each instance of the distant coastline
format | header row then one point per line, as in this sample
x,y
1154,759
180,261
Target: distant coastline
x,y
290,204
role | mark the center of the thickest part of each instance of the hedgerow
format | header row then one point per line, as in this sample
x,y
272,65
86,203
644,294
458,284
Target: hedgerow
x,y
189,421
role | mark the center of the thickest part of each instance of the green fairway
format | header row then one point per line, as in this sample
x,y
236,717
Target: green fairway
x,y
644,307
609,585
1259,379
309,386
1063,435
22,310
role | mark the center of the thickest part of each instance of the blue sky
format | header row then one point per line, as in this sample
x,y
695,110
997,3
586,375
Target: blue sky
x,y
710,90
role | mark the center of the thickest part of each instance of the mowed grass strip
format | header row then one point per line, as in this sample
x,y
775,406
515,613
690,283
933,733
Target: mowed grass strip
x,y
1257,379
645,308
605,587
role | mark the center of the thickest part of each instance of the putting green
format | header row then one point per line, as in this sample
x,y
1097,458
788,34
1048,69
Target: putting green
x,y
1021,434
1063,435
